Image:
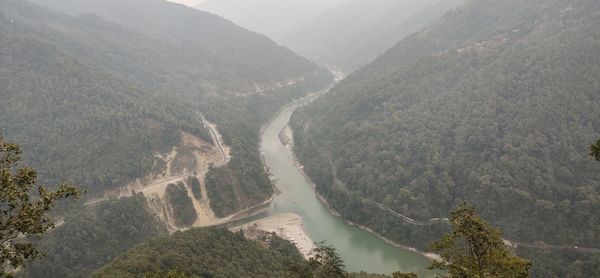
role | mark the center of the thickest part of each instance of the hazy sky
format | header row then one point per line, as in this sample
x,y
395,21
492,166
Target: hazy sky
x,y
188,2
274,18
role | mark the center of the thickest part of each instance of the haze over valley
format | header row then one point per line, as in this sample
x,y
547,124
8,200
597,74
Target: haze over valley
x,y
274,18
284,138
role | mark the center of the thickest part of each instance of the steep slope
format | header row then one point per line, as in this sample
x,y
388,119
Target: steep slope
x,y
93,236
205,252
275,18
385,34
104,97
243,182
97,101
103,129
211,253
495,104
221,57
354,34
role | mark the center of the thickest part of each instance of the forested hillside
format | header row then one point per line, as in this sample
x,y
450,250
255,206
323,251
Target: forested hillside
x,y
354,34
210,252
77,121
205,253
495,104
94,236
221,56
243,182
93,97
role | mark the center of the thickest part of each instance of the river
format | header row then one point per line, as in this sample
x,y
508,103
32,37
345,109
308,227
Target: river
x,y
359,249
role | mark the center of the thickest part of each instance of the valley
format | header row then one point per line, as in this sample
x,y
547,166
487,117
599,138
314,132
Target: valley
x,y
285,138
360,249
461,112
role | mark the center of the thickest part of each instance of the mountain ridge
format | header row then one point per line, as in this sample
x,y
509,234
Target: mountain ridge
x,y
354,34
494,104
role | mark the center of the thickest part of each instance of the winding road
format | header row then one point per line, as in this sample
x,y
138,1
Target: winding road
x,y
538,245
217,140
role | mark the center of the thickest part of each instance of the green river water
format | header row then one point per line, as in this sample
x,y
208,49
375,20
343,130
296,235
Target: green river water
x,y
360,249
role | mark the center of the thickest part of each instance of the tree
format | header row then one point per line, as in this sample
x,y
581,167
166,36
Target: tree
x,y
22,216
171,274
595,150
474,249
325,263
328,261
403,275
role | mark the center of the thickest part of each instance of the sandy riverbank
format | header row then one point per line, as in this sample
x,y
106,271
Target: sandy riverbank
x,y
285,136
288,226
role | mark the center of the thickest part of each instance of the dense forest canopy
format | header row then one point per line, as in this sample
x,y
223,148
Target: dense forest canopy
x,y
243,182
205,253
92,98
211,252
66,111
494,104
94,236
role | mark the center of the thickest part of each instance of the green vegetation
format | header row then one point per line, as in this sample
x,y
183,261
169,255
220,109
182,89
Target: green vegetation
x,y
474,249
211,252
208,55
243,182
564,263
94,96
94,236
102,92
78,120
21,213
181,204
595,150
194,184
471,249
201,253
167,274
492,105
363,274
325,263
404,275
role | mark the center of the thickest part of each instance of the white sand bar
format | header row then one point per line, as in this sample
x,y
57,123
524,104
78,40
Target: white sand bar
x,y
288,226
